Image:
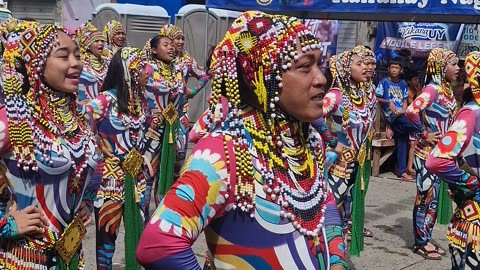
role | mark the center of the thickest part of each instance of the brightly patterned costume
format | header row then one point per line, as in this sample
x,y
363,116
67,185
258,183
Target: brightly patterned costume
x,y
461,144
189,68
255,182
120,133
165,97
352,109
437,103
94,69
48,155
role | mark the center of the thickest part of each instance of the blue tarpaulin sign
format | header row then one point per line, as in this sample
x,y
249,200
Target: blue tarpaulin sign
x,y
418,38
464,11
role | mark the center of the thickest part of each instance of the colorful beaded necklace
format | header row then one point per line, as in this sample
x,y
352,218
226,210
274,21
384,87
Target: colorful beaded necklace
x,y
42,116
289,163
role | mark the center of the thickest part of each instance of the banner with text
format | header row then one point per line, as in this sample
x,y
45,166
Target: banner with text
x,y
326,32
470,40
380,10
419,38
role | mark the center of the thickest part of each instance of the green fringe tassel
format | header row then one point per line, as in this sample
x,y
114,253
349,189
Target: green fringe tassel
x,y
445,208
167,159
74,263
358,207
133,224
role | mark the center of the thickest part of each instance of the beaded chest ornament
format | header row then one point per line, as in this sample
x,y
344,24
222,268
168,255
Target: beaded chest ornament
x,y
37,115
437,64
260,48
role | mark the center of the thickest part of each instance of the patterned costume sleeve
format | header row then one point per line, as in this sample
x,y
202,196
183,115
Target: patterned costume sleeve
x,y
190,205
442,160
195,71
321,126
331,102
98,108
414,110
334,233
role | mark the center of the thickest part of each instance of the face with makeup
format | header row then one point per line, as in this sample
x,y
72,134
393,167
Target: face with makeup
x,y
63,65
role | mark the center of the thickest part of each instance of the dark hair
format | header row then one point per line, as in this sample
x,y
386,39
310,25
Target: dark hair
x,y
395,61
405,52
411,73
209,60
467,95
115,79
29,19
154,41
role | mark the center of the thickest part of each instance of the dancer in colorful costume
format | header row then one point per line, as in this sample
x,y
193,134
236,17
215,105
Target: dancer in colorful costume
x,y
255,183
189,68
95,65
437,103
352,108
460,145
48,152
116,37
119,113
165,96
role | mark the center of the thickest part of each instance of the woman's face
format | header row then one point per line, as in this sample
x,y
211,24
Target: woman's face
x,y
302,92
178,43
452,71
63,66
164,50
97,48
119,38
359,69
144,75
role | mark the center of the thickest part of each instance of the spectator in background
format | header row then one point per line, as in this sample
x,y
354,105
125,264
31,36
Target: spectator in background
x,y
392,94
414,90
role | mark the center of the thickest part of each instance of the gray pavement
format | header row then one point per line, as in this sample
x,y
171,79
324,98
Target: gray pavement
x,y
388,215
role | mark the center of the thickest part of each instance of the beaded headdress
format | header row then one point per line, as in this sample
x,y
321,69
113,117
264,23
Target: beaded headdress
x,y
86,35
472,68
171,31
437,62
249,63
133,60
364,52
113,27
32,124
333,68
263,47
343,64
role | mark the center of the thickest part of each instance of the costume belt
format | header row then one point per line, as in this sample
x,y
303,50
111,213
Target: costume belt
x,y
33,253
464,228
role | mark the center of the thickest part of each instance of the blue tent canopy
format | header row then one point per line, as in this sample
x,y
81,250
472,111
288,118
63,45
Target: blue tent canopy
x,y
460,11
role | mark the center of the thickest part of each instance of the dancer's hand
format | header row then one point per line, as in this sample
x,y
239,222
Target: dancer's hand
x,y
433,138
337,267
85,214
29,221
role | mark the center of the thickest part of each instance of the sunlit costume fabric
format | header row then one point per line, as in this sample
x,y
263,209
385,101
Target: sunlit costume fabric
x,y
460,144
437,105
120,134
166,96
48,153
236,186
189,68
352,107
